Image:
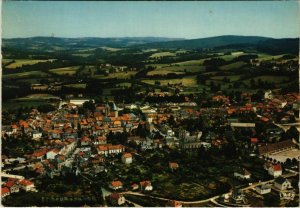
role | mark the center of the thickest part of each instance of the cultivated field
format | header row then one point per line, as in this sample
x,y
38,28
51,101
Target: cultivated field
x,y
30,74
65,71
21,62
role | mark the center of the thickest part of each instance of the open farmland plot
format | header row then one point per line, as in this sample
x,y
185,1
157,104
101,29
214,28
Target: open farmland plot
x,y
232,78
65,71
21,62
268,78
122,75
31,74
77,85
162,54
16,104
188,81
233,66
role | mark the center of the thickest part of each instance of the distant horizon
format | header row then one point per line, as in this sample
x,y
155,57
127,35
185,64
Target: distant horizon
x,y
188,20
40,36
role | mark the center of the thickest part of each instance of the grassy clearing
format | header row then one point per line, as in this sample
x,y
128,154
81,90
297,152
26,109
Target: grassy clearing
x,y
232,78
30,74
233,66
191,62
111,49
275,79
78,85
189,81
267,57
82,54
176,69
66,70
16,104
21,62
37,97
124,84
162,54
118,75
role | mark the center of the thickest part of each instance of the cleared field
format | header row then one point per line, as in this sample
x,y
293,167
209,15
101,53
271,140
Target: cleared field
x,y
37,97
189,81
81,54
275,79
191,62
176,69
21,62
121,75
16,104
31,74
124,84
162,54
232,78
66,70
267,57
111,49
79,85
233,66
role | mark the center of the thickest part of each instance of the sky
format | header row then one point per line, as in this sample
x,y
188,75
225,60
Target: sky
x,y
194,19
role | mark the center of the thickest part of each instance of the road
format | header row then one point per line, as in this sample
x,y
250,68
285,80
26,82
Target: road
x,y
212,199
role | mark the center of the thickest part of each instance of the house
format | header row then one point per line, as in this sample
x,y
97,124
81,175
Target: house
x,y
36,135
146,186
52,153
116,199
276,147
238,196
173,165
26,185
273,169
115,185
12,186
174,203
263,189
134,187
282,183
127,158
242,173
287,194
85,141
4,192
110,149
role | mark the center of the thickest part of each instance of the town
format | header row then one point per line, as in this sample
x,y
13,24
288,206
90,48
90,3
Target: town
x,y
150,104
170,154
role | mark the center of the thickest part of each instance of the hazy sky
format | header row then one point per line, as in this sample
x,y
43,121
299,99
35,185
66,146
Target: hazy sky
x,y
135,19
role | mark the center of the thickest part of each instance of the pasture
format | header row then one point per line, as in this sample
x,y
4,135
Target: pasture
x,y
21,62
30,74
188,81
65,70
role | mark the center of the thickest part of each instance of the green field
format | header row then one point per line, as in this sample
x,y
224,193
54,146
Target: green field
x,y
233,66
232,78
65,71
78,85
30,74
275,79
189,81
177,69
162,54
37,96
118,75
111,49
21,62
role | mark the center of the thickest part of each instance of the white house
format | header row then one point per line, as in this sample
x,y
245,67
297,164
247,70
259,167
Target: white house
x,y
146,186
52,153
273,170
115,185
36,135
242,173
287,194
282,183
116,199
127,158
263,189
26,185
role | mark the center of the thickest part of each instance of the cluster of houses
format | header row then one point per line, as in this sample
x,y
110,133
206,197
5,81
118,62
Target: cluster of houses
x,y
15,185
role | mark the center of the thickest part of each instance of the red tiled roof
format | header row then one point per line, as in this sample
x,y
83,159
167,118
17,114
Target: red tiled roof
x,y
277,167
116,183
4,190
127,155
25,183
145,183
